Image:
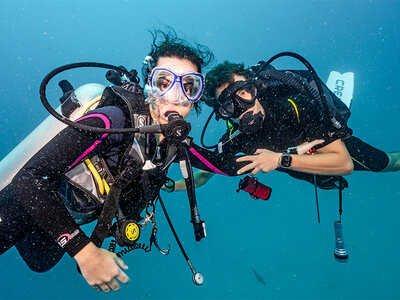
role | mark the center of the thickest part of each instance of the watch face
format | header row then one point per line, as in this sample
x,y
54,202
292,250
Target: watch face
x,y
286,161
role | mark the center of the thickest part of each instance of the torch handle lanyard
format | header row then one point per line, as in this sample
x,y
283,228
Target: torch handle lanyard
x,y
340,200
316,197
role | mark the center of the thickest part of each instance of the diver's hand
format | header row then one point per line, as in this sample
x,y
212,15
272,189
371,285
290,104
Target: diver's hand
x,y
262,160
101,268
305,147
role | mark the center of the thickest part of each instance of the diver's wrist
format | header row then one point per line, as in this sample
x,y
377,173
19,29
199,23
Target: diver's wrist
x,y
85,253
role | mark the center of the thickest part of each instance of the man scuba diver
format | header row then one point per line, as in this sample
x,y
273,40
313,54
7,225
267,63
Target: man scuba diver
x,y
80,176
275,125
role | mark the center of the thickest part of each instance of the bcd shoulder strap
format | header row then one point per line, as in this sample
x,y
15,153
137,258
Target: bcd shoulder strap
x,y
129,97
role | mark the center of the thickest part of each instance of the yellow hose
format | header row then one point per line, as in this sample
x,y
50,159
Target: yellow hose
x,y
102,184
88,106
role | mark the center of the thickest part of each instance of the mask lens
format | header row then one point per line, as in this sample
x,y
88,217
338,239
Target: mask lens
x,y
239,97
161,80
192,86
247,93
226,110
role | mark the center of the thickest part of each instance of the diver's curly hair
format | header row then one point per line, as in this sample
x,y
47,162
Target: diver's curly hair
x,y
219,75
168,44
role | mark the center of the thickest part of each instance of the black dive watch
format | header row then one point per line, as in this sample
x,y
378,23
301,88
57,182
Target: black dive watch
x,y
286,160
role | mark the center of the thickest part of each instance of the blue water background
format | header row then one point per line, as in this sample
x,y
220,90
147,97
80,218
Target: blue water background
x,y
279,239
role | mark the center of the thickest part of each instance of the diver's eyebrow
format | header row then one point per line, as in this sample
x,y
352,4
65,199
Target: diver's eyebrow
x,y
164,77
189,80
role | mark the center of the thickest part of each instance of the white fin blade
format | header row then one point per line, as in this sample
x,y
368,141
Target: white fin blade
x,y
342,85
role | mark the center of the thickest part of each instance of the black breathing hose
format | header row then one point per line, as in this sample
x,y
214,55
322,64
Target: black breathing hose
x,y
333,115
53,112
204,131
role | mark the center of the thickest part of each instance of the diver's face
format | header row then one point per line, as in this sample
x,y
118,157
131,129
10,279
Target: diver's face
x,y
158,109
257,106
226,84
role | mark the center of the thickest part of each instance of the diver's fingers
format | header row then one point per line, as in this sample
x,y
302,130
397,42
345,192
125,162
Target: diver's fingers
x,y
245,158
114,285
105,287
255,170
315,142
123,277
121,263
259,151
96,287
246,168
303,148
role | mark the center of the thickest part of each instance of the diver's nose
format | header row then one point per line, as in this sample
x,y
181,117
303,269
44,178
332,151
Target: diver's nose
x,y
177,93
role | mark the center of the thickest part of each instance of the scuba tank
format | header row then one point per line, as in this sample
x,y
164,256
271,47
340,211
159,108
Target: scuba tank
x,y
83,99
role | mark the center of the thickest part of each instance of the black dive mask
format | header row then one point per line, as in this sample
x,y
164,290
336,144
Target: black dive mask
x,y
236,99
250,123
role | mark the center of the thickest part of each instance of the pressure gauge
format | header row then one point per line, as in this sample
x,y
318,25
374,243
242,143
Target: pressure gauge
x,y
198,278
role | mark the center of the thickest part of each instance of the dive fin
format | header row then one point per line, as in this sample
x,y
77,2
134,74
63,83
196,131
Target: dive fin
x,y
342,85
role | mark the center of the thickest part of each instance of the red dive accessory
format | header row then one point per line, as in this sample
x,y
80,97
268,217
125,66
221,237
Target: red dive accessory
x,y
256,189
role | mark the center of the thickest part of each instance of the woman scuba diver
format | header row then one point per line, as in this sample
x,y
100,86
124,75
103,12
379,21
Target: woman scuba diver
x,y
58,189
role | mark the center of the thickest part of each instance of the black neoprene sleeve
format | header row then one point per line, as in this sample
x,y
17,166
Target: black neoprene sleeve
x,y
219,163
36,182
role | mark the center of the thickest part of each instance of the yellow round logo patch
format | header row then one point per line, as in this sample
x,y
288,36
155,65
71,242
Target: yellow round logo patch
x,y
132,231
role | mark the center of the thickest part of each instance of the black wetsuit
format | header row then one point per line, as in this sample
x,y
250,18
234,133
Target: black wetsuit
x,y
365,157
32,195
292,120
33,217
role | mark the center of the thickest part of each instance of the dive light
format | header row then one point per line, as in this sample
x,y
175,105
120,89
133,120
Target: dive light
x,y
340,251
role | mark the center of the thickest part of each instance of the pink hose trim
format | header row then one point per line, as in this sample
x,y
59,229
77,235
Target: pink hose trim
x,y
91,148
206,162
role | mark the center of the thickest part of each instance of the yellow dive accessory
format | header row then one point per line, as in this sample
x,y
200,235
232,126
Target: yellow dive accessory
x,y
101,183
88,106
295,108
128,232
132,231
